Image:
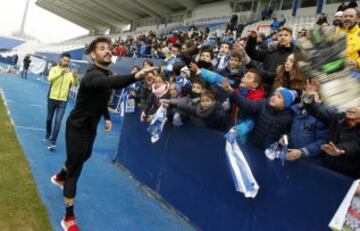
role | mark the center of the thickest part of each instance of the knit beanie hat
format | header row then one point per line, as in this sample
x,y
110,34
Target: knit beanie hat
x,y
288,95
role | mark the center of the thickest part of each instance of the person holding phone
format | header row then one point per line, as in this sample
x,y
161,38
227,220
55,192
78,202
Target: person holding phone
x,y
61,78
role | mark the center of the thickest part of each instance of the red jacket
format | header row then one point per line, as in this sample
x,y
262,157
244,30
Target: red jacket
x,y
123,51
254,94
116,51
172,40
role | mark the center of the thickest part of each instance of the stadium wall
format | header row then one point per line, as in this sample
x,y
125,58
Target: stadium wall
x,y
328,9
187,167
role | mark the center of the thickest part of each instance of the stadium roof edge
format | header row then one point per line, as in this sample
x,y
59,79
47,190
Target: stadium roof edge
x,y
100,15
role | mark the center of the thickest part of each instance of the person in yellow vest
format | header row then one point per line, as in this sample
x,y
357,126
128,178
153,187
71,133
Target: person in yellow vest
x,y
351,28
61,79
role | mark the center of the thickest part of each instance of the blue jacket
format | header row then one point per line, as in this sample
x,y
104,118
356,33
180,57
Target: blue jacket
x,y
307,132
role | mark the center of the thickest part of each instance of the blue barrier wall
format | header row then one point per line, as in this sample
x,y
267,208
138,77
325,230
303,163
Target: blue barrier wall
x,y
187,167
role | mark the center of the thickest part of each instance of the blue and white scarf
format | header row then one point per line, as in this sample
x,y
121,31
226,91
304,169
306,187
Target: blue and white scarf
x,y
243,178
157,124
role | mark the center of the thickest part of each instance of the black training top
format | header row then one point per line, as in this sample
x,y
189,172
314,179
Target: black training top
x,y
93,96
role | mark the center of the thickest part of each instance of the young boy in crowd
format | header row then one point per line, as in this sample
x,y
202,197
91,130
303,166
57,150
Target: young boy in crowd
x,y
183,83
207,113
273,116
193,98
235,70
172,114
221,60
307,133
251,88
206,57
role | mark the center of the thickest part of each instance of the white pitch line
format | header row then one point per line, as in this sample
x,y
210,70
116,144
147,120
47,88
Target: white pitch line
x,y
36,105
30,128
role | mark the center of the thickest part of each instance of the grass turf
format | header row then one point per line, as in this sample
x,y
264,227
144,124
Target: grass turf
x,y
20,205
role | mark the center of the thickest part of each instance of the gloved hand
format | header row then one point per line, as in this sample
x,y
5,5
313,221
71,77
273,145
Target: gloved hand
x,y
243,129
177,120
231,135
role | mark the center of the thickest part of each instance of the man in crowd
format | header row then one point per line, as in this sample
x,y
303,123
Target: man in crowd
x,y
272,57
351,28
337,20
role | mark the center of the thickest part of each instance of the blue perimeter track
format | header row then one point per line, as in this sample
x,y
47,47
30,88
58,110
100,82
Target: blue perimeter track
x,y
107,198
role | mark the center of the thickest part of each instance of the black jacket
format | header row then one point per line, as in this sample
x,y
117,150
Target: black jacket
x,y
213,118
145,93
27,62
343,137
271,58
270,124
93,95
152,103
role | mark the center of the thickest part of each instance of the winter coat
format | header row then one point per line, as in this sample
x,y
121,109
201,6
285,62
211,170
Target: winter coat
x,y
252,95
270,123
153,103
145,93
344,137
213,118
352,44
307,133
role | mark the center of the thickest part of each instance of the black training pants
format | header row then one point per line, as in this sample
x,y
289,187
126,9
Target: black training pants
x,y
79,145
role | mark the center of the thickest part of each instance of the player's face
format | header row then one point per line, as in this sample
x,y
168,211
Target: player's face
x,y
102,54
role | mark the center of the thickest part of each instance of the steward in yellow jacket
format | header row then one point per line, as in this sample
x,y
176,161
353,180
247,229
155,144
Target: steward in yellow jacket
x,y
352,30
61,80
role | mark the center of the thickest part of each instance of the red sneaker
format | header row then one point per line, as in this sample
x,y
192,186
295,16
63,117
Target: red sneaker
x,y
69,224
55,180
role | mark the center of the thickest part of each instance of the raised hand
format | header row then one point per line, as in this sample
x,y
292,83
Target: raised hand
x,y
108,126
141,74
195,68
253,33
332,150
226,86
165,102
312,86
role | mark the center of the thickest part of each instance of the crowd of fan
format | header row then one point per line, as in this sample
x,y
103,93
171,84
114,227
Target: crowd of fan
x,y
151,45
252,88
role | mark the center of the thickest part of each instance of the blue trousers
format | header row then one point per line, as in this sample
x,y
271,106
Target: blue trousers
x,y
57,108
